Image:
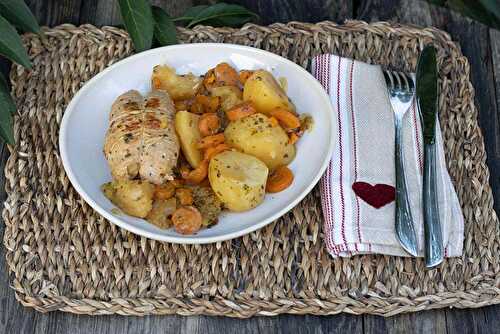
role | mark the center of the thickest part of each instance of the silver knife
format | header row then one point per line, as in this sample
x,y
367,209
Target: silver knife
x,y
427,101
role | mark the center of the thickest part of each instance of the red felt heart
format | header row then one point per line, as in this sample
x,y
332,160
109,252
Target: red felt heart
x,y
377,195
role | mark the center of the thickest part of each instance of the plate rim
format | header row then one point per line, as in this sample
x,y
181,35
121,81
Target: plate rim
x,y
70,109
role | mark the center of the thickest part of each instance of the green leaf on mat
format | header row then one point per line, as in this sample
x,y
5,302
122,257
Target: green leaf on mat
x,y
7,108
11,45
16,12
191,13
223,14
164,30
138,20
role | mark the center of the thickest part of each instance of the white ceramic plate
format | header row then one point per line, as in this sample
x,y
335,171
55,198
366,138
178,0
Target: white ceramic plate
x,y
85,122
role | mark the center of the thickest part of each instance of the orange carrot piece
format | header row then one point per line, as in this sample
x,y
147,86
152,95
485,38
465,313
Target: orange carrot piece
x,y
212,151
212,140
164,191
288,119
240,110
293,138
187,220
184,195
198,174
209,124
279,180
226,75
273,121
209,79
244,75
177,183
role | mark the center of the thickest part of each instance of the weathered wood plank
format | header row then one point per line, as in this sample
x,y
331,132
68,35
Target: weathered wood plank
x,y
495,56
54,12
424,322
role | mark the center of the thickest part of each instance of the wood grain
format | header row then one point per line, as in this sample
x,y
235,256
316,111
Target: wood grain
x,y
480,44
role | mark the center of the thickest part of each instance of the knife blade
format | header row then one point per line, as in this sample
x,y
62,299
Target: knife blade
x,y
427,102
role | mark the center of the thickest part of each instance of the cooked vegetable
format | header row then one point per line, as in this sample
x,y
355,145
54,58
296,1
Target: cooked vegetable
x,y
198,174
240,110
286,118
213,140
293,138
186,126
221,75
208,204
212,151
187,220
203,104
279,179
134,197
184,195
209,124
244,75
229,95
164,191
257,136
179,87
238,180
161,212
266,93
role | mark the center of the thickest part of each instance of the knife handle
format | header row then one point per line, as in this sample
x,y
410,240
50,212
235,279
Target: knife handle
x,y
434,252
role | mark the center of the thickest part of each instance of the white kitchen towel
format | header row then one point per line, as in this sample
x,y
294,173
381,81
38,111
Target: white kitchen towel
x,y
364,157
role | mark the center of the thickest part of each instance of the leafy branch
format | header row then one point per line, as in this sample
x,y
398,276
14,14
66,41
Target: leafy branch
x,y
13,14
147,24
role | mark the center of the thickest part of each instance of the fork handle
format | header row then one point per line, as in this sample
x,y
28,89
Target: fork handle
x,y
405,229
434,252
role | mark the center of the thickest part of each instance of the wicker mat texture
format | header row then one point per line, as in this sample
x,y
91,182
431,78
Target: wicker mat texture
x,y
62,255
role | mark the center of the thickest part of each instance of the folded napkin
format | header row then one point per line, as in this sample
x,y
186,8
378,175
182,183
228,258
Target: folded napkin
x,y
357,189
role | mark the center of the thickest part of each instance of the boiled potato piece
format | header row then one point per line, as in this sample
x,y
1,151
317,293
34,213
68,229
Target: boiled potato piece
x,y
229,95
266,93
186,126
255,135
180,87
134,197
238,179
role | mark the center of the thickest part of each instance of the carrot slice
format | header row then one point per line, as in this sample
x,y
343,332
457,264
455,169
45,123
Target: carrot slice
x,y
288,119
226,75
212,140
177,183
273,121
209,124
184,195
244,75
293,138
198,174
187,220
279,180
164,191
212,151
240,110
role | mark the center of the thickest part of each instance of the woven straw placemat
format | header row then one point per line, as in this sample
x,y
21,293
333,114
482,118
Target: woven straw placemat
x,y
61,255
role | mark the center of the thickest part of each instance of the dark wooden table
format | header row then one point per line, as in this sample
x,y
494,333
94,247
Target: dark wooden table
x,y
480,44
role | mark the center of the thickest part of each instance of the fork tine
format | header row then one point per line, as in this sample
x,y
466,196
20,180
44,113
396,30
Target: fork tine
x,y
405,80
388,79
396,75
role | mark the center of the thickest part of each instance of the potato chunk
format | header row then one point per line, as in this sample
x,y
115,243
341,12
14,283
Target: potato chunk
x,y
257,136
180,87
186,126
238,179
134,197
266,93
229,96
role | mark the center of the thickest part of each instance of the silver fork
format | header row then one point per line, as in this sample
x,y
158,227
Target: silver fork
x,y
401,88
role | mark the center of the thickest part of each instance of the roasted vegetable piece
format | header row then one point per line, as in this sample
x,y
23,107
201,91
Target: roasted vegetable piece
x,y
229,96
187,220
238,180
180,87
164,191
241,110
286,118
212,151
266,93
209,124
184,195
161,212
209,141
141,139
256,135
186,126
279,179
208,204
225,75
244,75
134,197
